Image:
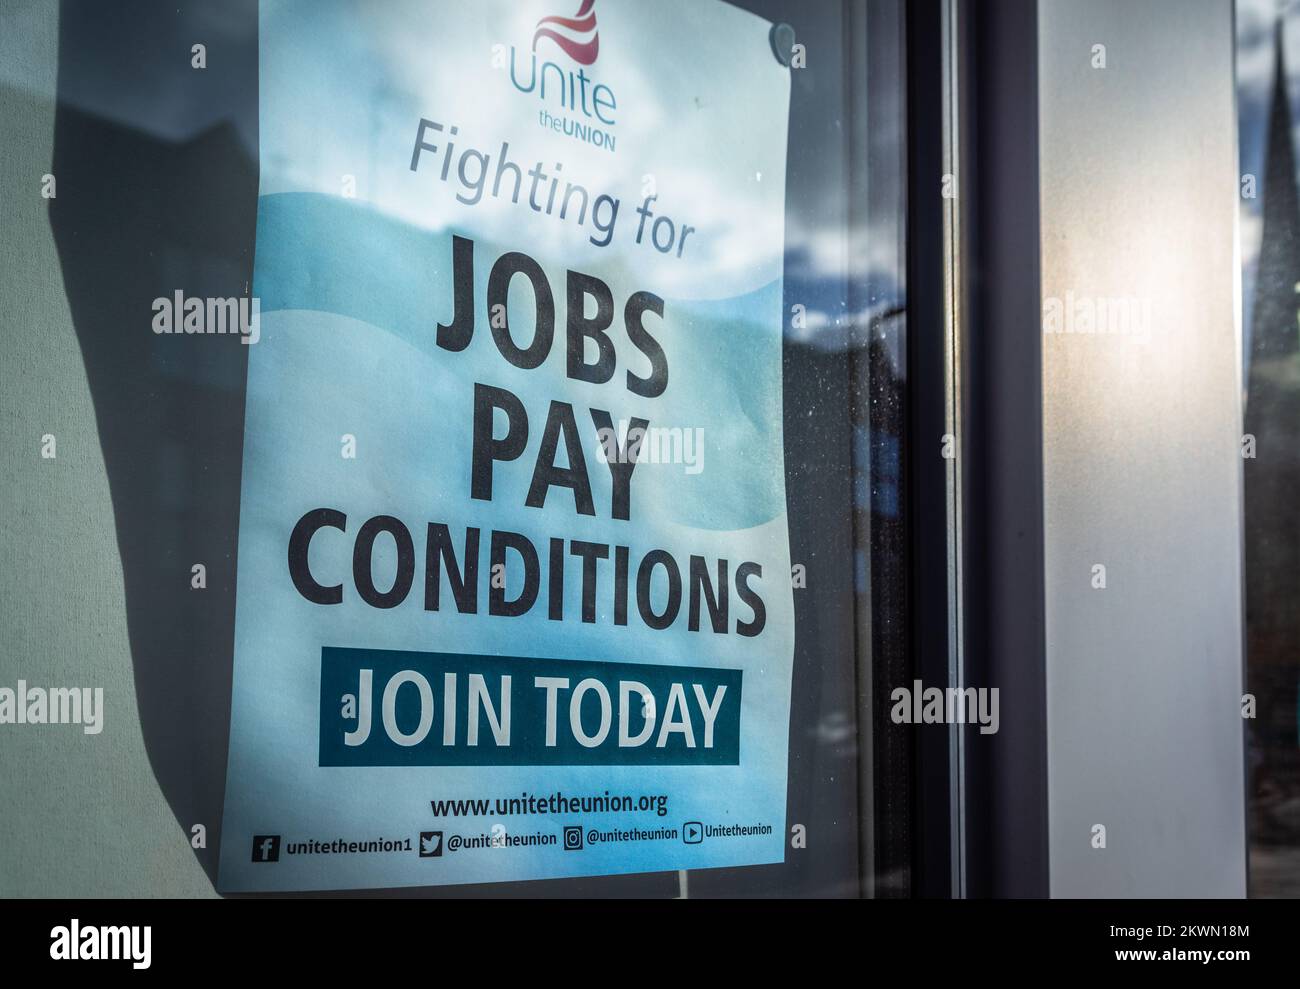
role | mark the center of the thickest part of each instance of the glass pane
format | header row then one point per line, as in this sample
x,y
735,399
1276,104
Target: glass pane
x,y
1268,87
144,145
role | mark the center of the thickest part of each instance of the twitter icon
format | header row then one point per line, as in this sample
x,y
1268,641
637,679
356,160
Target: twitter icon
x,y
430,844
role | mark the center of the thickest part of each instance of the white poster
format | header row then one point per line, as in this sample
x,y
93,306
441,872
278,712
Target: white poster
x,y
514,595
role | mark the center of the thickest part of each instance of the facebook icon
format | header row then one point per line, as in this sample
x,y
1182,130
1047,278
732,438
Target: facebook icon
x,y
266,848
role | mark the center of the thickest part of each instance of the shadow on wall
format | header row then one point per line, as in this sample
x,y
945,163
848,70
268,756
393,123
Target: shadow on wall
x,y
130,228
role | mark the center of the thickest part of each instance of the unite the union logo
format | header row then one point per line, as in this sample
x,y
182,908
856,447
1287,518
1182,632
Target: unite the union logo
x,y
576,36
572,102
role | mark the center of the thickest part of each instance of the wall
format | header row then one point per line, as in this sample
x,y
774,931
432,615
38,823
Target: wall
x,y
80,814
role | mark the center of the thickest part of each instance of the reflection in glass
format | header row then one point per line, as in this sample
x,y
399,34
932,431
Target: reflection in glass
x,y
1269,115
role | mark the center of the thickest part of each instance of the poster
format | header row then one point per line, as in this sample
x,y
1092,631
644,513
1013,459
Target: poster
x,y
514,589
